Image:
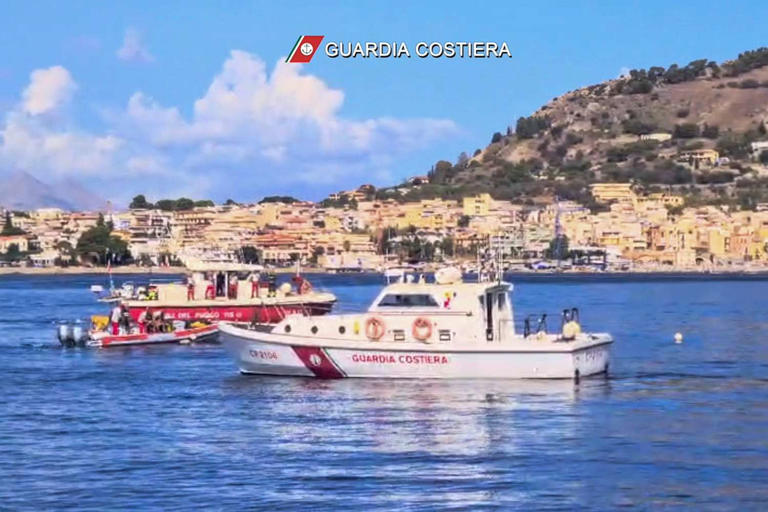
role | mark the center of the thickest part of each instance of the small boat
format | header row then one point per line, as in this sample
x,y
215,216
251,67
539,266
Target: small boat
x,y
446,329
205,333
75,334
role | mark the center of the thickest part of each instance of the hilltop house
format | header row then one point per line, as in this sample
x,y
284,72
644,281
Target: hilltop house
x,y
607,192
417,180
658,136
698,156
758,147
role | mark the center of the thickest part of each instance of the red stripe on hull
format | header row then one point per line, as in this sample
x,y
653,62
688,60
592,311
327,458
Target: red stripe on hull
x,y
318,362
262,314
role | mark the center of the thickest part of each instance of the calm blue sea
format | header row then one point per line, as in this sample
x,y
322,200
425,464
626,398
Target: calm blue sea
x,y
177,428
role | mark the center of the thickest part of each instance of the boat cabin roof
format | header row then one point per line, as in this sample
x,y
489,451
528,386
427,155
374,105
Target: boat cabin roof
x,y
461,296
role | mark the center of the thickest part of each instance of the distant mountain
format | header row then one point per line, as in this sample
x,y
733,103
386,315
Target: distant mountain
x,y
23,191
80,197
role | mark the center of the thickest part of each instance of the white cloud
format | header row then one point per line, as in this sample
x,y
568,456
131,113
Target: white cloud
x,y
134,49
251,133
48,89
282,114
29,144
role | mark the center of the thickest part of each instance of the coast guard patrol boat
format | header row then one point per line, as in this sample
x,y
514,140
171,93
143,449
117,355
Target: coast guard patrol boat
x,y
445,329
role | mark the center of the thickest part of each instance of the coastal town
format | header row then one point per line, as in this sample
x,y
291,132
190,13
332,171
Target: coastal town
x,y
632,232
661,169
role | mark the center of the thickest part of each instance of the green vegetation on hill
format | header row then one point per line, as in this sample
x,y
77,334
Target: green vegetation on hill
x,y
643,81
8,228
529,127
279,199
140,202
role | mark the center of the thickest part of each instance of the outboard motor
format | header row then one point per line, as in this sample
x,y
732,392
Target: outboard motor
x,y
71,334
79,335
65,334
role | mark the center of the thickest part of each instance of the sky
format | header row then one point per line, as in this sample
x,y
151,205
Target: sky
x,y
194,99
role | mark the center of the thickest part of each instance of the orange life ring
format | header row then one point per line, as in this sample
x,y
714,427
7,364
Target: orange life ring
x,y
422,329
374,328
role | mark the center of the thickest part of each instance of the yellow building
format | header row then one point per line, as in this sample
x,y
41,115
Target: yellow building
x,y
718,243
332,223
665,199
607,192
477,205
46,213
268,214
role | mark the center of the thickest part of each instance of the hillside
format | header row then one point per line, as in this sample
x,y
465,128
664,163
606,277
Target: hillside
x,y
595,134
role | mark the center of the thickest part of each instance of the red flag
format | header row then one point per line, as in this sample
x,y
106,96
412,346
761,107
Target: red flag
x,y
304,49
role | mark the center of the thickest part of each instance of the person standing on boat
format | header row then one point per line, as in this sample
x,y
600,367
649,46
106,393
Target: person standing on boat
x,y
143,317
220,291
190,287
117,313
125,319
157,321
254,284
233,287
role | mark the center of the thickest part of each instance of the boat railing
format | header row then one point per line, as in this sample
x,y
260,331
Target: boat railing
x,y
538,322
534,323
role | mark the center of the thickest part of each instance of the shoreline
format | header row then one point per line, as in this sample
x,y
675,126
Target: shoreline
x,y
132,270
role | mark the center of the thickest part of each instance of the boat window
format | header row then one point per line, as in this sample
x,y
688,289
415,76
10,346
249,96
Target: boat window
x,y
501,300
407,301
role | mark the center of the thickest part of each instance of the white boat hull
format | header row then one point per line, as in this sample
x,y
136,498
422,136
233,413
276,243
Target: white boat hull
x,y
268,357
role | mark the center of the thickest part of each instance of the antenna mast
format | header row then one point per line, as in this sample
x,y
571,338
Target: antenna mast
x,y
558,228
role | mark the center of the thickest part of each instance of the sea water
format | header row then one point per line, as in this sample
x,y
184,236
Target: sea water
x,y
178,428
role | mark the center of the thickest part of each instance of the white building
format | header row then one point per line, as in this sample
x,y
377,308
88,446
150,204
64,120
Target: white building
x,y
758,147
659,136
